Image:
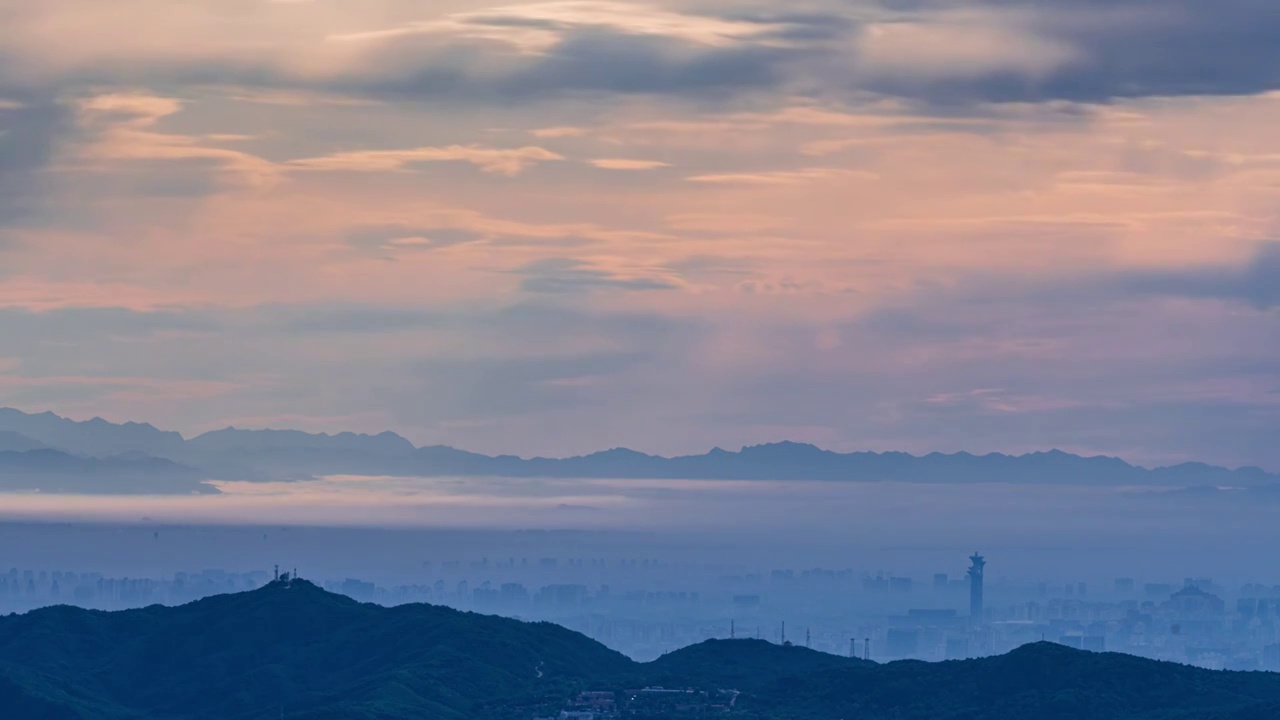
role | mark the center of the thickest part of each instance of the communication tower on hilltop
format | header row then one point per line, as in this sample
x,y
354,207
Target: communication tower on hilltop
x,y
976,569
286,577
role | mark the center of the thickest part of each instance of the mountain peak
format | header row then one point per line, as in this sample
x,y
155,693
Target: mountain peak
x,y
295,585
789,445
95,437
621,453
1042,648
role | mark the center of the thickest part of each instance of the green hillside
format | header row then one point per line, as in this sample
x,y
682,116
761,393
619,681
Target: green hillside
x,y
318,656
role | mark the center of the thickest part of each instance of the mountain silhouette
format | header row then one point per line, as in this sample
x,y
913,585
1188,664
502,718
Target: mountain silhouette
x,y
1042,680
292,454
96,437
740,664
16,442
231,439
238,454
294,649
291,645
53,471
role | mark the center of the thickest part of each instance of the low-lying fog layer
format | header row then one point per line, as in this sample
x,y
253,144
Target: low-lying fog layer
x,y
859,525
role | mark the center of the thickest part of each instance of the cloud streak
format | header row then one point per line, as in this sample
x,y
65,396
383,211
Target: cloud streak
x,y
627,164
782,177
499,161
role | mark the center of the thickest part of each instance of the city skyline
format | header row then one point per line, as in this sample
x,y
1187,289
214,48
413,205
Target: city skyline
x,y
646,607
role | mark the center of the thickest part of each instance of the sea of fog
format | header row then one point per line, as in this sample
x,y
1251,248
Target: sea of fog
x,y
371,526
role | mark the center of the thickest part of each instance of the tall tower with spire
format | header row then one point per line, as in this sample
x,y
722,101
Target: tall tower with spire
x,y
979,563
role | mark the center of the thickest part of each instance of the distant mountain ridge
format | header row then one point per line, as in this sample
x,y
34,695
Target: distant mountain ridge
x,y
290,455
249,440
53,471
295,650
14,442
95,437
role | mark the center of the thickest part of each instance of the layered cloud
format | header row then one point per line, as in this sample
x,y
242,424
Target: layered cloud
x,y
1080,49
963,45
551,227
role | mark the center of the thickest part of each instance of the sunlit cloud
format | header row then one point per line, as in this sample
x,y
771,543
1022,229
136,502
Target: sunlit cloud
x,y
559,132
500,161
124,124
963,44
627,164
537,27
782,177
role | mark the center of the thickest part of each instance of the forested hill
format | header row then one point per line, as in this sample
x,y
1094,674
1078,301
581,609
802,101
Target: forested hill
x,y
296,649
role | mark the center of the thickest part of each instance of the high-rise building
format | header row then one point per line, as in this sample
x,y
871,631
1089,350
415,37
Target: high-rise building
x,y
979,563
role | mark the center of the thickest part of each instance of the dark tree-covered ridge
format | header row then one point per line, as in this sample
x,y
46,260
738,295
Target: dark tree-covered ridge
x,y
295,648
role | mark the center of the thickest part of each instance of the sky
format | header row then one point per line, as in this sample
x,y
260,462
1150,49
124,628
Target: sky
x,y
556,227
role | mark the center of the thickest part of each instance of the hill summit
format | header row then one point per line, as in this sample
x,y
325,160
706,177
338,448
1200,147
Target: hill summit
x,y
292,648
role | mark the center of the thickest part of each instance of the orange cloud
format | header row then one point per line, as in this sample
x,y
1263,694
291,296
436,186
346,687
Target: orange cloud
x,y
500,161
627,164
